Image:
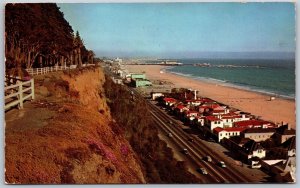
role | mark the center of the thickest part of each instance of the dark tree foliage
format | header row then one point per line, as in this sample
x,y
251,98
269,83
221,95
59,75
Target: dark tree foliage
x,y
38,35
135,119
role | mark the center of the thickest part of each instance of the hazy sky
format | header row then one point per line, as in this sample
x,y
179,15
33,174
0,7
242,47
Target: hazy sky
x,y
183,29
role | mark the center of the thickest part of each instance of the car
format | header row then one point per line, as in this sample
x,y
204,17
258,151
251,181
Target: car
x,y
185,151
191,139
170,135
256,165
211,140
202,171
207,158
222,164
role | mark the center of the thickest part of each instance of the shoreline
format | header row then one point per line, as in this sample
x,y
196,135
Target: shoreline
x,y
256,103
233,86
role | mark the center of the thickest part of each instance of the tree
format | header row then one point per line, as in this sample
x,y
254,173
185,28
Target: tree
x,y
37,35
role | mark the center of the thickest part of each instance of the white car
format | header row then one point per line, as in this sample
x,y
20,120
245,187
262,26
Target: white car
x,y
202,171
222,164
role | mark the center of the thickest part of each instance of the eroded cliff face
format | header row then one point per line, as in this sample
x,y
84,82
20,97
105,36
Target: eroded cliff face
x,y
77,144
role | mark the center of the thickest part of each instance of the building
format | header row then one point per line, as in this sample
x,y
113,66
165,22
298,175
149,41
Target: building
x,y
213,122
137,76
117,81
169,101
253,149
227,132
284,170
199,121
155,95
283,133
284,150
190,115
258,134
118,60
254,124
140,82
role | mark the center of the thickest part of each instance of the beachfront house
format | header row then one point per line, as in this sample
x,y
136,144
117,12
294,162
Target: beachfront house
x,y
199,121
253,123
229,119
190,115
194,102
283,133
169,101
258,134
284,150
227,132
219,110
212,122
155,95
253,149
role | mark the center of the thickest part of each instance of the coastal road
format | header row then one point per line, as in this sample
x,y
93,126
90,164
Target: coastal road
x,y
196,149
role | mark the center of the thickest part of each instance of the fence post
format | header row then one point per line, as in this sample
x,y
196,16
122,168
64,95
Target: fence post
x,y
32,88
20,95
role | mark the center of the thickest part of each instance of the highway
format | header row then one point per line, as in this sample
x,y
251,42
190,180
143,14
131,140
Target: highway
x,y
196,150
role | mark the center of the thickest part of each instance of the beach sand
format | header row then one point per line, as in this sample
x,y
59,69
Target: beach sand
x,y
277,111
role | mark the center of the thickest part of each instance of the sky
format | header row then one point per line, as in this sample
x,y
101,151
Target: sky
x,y
177,30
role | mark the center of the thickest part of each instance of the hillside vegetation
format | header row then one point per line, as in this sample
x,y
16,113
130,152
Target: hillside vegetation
x,y
134,121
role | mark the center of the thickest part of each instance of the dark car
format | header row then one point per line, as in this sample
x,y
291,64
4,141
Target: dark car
x,y
191,139
207,158
185,151
202,171
222,164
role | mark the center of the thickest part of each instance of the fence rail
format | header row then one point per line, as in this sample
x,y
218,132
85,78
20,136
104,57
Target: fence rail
x,y
44,70
17,93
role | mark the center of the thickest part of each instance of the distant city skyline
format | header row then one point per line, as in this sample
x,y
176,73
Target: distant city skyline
x,y
185,30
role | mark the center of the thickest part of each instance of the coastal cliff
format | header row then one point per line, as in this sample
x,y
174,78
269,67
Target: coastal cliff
x,y
67,135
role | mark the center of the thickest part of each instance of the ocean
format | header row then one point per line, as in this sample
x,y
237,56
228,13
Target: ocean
x,y
271,76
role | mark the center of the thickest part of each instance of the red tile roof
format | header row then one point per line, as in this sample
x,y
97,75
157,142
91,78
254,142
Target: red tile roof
x,y
234,129
230,114
247,123
180,106
212,118
217,111
228,117
218,129
169,99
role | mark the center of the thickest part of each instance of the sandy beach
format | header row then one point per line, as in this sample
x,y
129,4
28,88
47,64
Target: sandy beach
x,y
278,110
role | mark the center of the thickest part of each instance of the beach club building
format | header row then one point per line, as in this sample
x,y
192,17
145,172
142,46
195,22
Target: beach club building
x,y
141,82
258,134
137,76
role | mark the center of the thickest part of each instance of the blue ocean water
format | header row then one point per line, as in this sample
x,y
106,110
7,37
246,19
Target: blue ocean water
x,y
271,76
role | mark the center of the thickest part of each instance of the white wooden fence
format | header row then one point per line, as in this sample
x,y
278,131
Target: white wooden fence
x,y
18,92
44,70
